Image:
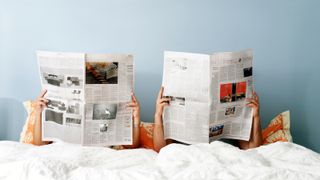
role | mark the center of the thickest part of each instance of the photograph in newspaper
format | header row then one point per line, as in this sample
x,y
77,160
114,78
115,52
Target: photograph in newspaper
x,y
176,100
230,111
104,111
61,80
104,127
216,130
73,107
53,79
232,92
101,72
247,72
56,104
54,116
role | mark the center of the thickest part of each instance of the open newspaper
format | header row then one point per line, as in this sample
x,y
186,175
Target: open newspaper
x,y
87,96
207,96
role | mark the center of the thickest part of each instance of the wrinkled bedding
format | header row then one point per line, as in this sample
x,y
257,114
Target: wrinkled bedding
x,y
217,160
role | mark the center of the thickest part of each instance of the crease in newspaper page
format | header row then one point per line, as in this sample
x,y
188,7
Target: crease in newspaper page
x,y
108,86
62,75
186,82
232,83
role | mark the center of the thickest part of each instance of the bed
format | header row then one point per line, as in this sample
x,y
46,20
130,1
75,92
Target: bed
x,y
218,160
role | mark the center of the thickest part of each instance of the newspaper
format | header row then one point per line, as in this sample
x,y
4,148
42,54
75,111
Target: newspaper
x,y
207,96
87,96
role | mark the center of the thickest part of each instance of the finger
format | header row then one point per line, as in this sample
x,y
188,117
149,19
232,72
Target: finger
x,y
132,105
253,104
43,92
133,97
43,100
160,92
42,104
252,100
255,95
165,100
163,104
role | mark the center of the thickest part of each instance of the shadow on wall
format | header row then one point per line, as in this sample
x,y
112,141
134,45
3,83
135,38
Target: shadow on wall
x,y
12,118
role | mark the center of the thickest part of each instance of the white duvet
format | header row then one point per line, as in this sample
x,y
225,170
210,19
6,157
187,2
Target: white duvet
x,y
217,160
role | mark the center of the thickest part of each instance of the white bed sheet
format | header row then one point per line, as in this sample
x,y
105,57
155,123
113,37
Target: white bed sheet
x,y
217,160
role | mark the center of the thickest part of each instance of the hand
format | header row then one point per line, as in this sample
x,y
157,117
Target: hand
x,y
41,102
254,104
161,103
135,107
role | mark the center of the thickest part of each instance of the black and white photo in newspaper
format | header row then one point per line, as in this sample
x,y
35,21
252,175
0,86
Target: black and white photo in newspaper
x,y
108,86
62,75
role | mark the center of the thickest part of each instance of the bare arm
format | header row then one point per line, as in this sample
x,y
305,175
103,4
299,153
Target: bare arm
x,y
135,107
158,133
41,103
158,137
256,133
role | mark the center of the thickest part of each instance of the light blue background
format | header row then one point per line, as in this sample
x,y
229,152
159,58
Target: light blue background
x,y
283,34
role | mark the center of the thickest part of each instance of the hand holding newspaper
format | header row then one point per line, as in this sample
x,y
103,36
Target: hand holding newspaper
x,y
207,96
87,96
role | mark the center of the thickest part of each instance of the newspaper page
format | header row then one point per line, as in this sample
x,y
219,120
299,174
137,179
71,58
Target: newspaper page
x,y
62,75
207,96
231,84
186,81
108,86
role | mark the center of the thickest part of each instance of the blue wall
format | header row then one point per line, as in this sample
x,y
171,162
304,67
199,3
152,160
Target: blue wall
x,y
284,35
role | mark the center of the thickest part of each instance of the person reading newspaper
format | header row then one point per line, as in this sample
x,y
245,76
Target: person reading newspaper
x,y
162,102
42,102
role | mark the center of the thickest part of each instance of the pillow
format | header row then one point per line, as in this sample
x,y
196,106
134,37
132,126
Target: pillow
x,y
26,135
146,135
278,129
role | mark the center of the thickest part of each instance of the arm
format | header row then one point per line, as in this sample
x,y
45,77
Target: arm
x,y
158,137
256,133
158,133
135,107
41,103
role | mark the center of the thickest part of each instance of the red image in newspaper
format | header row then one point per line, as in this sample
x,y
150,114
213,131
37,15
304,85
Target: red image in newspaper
x,y
232,92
